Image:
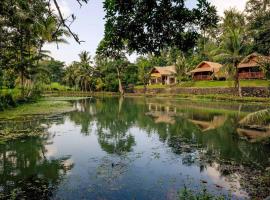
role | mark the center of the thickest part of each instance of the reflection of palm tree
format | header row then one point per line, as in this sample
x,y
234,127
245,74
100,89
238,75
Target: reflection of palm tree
x,y
256,118
217,122
84,115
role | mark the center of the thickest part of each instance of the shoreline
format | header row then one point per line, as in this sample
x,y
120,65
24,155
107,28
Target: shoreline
x,y
196,97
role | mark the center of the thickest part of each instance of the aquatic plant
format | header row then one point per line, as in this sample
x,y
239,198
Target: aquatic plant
x,y
187,194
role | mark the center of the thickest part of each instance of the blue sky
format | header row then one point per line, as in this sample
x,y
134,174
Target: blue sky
x,y
89,25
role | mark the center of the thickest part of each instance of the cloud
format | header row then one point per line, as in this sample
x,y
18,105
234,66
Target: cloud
x,y
223,5
64,7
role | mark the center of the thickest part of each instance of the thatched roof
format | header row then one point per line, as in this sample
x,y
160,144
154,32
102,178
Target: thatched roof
x,y
169,70
253,60
207,66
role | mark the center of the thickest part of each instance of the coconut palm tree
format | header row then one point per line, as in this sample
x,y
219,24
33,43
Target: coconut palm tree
x,y
48,31
82,73
85,58
84,77
234,42
233,49
70,76
181,67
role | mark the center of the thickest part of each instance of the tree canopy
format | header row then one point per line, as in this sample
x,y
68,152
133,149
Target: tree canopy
x,y
150,26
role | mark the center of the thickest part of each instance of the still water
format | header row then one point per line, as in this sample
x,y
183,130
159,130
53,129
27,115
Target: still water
x,y
135,148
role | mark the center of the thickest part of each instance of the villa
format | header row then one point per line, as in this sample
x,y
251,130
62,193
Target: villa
x,y
250,67
163,75
207,71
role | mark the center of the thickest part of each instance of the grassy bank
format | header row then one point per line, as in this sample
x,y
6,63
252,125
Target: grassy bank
x,y
32,112
41,107
210,97
207,84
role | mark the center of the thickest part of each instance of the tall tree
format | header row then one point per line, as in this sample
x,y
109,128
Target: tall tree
x,y
207,14
233,49
25,26
112,53
235,42
153,25
258,16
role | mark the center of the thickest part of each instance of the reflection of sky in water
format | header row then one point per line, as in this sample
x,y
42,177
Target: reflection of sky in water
x,y
149,171
132,148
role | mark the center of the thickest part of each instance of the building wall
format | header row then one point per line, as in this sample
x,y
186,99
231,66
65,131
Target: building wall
x,y
166,79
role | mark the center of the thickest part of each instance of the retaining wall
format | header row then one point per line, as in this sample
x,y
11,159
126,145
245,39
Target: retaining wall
x,y
246,91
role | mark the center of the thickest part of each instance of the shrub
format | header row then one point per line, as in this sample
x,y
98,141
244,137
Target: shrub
x,y
6,100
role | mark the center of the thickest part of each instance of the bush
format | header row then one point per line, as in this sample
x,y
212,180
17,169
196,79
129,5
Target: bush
x,y
55,86
6,101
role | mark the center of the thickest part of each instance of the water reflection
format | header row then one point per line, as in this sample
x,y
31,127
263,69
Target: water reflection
x,y
116,148
209,133
26,172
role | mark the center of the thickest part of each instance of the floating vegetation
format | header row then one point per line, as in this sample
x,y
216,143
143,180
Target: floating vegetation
x,y
186,194
11,134
40,108
110,170
117,151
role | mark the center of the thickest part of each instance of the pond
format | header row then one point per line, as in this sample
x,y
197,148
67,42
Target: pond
x,y
137,148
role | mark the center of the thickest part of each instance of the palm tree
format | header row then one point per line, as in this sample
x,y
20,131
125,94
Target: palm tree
x,y
181,67
84,77
70,76
49,31
233,48
84,72
85,58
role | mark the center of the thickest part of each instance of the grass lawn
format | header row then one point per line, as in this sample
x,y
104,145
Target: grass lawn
x,y
243,83
204,84
57,87
157,86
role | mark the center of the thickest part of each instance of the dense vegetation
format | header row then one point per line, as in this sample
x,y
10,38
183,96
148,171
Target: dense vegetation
x,y
206,37
182,38
25,26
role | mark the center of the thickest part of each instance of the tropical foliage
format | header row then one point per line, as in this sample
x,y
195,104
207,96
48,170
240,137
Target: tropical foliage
x,y
25,27
182,38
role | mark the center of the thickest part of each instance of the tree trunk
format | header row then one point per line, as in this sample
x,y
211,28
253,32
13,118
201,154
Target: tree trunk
x,y
145,85
85,86
39,51
121,90
237,83
144,88
120,103
22,84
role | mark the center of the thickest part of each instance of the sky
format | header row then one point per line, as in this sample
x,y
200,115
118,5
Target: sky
x,y
89,25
